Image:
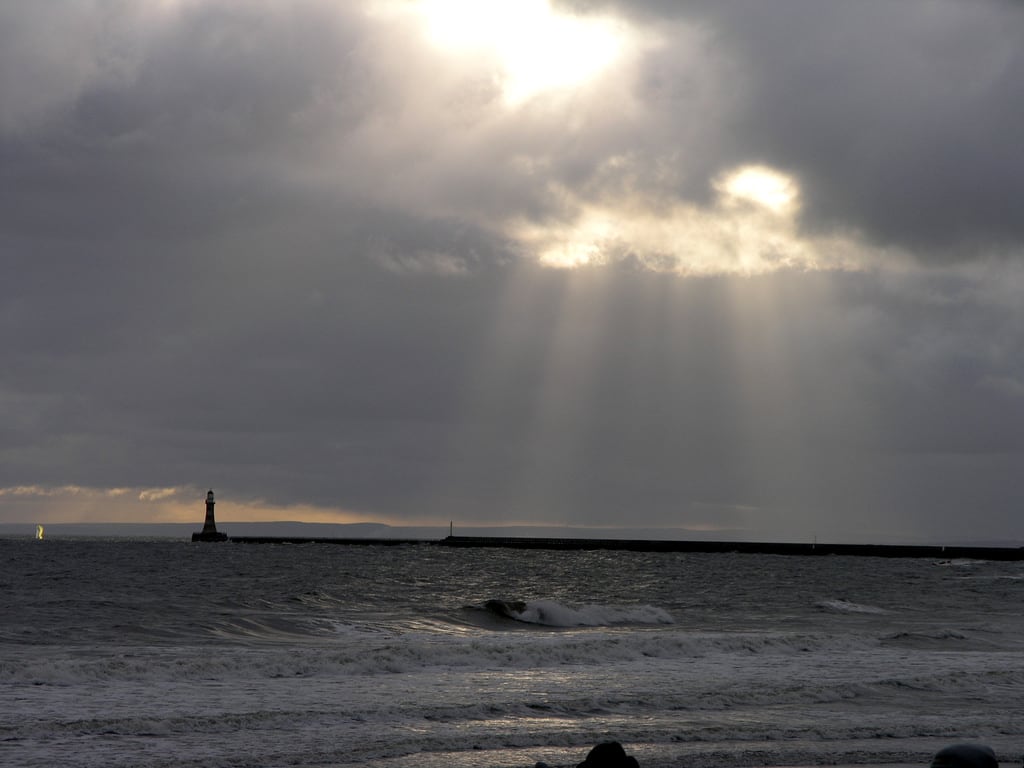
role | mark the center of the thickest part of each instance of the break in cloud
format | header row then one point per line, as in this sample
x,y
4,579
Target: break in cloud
x,y
738,267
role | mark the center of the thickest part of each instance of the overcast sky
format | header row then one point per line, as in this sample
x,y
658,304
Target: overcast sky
x,y
751,269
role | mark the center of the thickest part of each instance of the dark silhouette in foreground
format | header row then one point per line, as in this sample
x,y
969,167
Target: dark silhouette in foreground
x,y
965,756
607,754
610,754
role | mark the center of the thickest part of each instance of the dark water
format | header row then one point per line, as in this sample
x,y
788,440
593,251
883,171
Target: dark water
x,y
167,653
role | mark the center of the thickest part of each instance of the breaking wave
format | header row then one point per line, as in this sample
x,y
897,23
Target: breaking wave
x,y
836,605
548,613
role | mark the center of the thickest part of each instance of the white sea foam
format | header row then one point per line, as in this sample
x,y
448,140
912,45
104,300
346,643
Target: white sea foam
x,y
846,606
381,654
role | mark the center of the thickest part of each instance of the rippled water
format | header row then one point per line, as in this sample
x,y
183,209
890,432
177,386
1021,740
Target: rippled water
x,y
166,653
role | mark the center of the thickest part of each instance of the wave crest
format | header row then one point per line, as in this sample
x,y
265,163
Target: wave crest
x,y
551,614
837,605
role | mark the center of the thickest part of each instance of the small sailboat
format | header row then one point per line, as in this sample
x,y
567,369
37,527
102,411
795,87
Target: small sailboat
x,y
39,532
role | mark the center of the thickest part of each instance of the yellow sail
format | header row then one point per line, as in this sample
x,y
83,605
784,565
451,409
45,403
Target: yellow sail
x,y
39,531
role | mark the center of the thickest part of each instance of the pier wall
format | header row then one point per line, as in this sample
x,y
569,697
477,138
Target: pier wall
x,y
656,545
765,548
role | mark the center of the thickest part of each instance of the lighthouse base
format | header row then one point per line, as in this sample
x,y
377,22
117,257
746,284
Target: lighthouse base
x,y
209,536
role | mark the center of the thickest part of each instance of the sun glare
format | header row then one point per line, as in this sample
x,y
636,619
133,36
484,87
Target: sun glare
x,y
583,244
760,185
538,48
751,229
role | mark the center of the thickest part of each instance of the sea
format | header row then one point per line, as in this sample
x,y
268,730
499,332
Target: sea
x,y
166,653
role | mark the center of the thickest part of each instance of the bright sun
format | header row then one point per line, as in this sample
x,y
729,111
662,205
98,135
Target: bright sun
x,y
750,229
760,185
538,48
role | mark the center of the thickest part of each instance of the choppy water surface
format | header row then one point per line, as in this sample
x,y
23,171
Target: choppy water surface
x,y
166,653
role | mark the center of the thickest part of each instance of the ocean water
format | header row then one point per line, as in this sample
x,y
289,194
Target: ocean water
x,y
169,653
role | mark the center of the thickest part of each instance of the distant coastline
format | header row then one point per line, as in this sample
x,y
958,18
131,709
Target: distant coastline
x,y
524,537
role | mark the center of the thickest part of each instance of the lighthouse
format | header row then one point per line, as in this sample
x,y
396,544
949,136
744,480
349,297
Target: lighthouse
x,y
209,532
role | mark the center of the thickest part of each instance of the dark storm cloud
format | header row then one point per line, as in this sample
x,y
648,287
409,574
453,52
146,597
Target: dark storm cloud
x,y
267,248
180,293
181,138
899,119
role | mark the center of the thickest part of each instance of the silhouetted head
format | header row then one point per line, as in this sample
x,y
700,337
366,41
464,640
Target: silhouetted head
x,y
609,754
965,756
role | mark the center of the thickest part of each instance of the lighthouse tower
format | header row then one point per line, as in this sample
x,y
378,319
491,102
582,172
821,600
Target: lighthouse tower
x,y
209,532
210,525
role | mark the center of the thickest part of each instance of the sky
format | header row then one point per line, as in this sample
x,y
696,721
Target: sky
x,y
740,269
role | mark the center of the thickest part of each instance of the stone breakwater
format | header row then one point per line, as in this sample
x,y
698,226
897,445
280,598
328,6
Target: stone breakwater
x,y
655,545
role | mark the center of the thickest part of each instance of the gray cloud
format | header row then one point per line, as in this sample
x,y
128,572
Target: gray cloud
x,y
900,120
267,248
